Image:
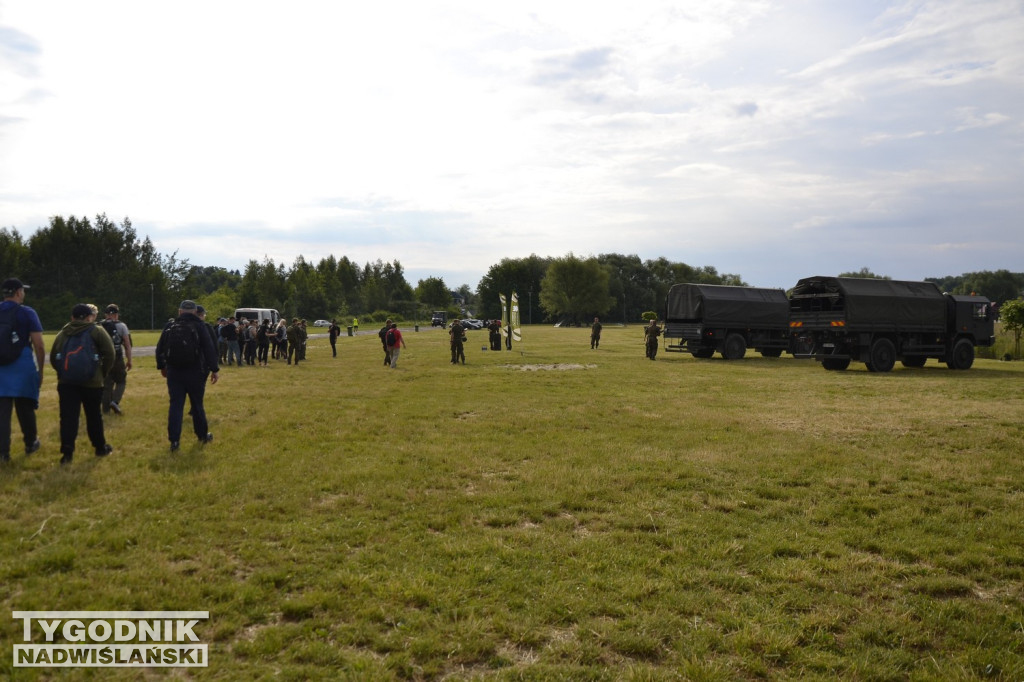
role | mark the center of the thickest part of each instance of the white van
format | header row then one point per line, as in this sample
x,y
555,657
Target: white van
x,y
258,314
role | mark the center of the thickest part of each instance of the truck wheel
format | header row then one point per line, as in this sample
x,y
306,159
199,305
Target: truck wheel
x,y
883,355
703,353
734,348
914,360
771,352
835,364
962,356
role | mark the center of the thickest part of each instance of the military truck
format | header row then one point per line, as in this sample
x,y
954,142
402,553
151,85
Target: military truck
x,y
439,318
836,320
705,318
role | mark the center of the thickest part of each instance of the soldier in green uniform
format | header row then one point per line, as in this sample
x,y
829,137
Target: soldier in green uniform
x,y
595,334
457,333
651,334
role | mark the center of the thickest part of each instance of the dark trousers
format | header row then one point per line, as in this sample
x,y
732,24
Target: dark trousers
x,y
181,383
334,347
114,384
261,352
26,409
458,353
387,356
73,401
293,352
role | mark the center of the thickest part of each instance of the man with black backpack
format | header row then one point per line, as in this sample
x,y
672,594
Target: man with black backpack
x,y
22,356
185,356
82,354
117,377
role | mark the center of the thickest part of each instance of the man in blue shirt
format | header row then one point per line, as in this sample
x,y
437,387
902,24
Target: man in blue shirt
x,y
21,378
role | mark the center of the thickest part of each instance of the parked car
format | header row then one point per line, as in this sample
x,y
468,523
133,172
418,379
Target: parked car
x,y
321,323
473,324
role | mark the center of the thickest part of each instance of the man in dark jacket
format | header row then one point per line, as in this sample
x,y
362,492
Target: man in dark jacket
x,y
86,394
185,359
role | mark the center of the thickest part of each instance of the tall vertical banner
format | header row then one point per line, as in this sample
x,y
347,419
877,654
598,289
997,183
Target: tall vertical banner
x,y
514,327
505,329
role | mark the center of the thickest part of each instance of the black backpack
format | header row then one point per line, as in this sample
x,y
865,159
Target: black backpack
x,y
78,360
115,336
181,345
389,338
10,345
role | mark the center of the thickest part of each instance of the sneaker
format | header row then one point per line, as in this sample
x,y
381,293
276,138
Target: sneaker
x,y
175,445
65,459
115,407
208,438
29,449
104,450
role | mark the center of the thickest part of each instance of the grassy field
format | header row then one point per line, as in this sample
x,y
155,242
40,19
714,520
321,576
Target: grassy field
x,y
547,513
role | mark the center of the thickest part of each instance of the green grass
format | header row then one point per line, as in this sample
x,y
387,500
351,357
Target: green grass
x,y
555,513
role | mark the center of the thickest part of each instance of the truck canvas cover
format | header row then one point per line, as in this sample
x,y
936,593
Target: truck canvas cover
x,y
733,306
876,301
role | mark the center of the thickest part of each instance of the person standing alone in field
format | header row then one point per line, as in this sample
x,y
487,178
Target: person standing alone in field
x,y
334,332
595,334
395,342
185,356
651,334
117,378
22,356
82,354
458,335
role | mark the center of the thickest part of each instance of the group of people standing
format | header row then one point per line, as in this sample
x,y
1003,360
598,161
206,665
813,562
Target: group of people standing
x,y
91,361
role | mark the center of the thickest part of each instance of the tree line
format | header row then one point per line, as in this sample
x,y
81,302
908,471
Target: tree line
x,y
72,260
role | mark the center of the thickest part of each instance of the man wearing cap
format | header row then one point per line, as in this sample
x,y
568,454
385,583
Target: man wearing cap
x,y
22,375
187,377
85,395
117,378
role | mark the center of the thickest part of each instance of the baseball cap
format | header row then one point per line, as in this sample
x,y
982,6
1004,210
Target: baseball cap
x,y
13,284
187,305
81,311
112,308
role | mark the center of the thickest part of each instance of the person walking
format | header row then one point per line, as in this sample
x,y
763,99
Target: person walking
x,y
82,354
333,333
186,356
595,334
458,336
384,341
117,378
651,334
21,367
395,343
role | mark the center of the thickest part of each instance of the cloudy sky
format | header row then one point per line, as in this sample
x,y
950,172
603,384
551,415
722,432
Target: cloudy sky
x,y
771,139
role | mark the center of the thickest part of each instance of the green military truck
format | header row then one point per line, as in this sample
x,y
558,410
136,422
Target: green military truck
x,y
705,318
836,320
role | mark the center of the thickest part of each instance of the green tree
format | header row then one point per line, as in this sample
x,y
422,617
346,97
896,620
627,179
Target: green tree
x,y
1011,315
864,273
575,287
522,275
14,254
998,286
433,293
